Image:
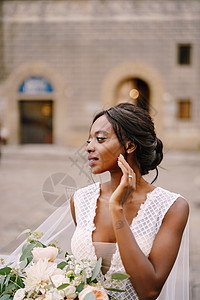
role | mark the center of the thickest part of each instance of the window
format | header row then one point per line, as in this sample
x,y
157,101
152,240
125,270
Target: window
x,y
184,54
184,109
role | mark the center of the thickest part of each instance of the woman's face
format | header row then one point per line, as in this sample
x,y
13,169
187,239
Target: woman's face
x,y
103,147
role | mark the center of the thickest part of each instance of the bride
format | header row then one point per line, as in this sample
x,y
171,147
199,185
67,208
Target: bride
x,y
134,226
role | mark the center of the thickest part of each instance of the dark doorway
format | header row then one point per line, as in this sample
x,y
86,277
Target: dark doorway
x,y
36,121
140,92
143,89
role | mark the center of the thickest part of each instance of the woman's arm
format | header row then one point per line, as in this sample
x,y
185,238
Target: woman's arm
x,y
148,274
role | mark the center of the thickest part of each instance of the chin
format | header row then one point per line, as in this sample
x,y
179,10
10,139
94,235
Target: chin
x,y
97,170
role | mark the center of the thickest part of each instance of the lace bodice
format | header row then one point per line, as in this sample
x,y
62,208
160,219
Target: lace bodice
x,y
144,227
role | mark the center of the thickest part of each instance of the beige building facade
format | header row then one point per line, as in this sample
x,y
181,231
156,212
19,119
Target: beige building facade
x,y
63,61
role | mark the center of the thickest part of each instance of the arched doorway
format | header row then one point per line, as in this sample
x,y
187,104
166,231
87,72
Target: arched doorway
x,y
44,84
134,90
35,111
146,78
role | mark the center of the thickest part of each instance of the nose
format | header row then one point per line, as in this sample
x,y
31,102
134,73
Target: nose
x,y
90,148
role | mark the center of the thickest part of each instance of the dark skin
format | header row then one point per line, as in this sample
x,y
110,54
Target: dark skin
x,y
118,204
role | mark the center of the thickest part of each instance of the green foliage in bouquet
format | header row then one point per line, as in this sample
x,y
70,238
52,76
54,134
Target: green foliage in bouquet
x,y
14,277
11,277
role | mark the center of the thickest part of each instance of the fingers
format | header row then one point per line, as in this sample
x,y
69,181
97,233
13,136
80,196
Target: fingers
x,y
127,170
123,168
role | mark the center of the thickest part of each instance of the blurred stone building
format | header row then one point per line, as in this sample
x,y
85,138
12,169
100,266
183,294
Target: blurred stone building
x,y
63,60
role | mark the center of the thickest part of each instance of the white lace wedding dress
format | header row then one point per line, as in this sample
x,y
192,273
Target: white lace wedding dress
x,y
144,227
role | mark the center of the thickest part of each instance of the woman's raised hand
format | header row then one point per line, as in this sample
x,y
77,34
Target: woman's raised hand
x,y
127,184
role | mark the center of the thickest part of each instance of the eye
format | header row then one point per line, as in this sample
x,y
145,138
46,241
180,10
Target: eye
x,y
100,139
88,141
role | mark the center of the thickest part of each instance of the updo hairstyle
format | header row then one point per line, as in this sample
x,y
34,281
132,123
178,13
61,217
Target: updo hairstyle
x,y
134,124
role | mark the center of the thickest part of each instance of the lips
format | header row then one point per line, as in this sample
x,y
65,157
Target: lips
x,y
92,159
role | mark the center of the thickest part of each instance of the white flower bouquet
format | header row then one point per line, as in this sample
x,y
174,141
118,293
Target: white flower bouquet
x,y
38,276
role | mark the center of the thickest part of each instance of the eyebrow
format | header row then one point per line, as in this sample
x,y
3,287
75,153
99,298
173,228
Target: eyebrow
x,y
101,131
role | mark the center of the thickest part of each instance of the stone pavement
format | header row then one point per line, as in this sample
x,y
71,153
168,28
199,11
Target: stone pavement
x,y
35,179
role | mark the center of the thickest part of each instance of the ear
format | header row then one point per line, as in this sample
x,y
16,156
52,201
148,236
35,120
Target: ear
x,y
130,147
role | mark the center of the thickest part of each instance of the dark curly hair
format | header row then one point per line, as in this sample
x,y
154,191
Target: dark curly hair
x,y
134,124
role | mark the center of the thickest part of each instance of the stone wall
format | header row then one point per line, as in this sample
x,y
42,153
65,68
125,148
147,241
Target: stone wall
x,y
80,44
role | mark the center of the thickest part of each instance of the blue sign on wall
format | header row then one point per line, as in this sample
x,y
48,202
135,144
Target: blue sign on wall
x,y
35,85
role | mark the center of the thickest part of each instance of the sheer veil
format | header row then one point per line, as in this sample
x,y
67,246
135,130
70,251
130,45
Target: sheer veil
x,y
177,285
59,227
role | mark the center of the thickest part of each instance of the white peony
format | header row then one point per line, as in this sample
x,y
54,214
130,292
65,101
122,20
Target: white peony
x,y
49,253
38,275
19,295
100,293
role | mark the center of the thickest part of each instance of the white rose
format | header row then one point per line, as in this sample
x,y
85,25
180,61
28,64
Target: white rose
x,y
19,295
100,293
70,292
50,253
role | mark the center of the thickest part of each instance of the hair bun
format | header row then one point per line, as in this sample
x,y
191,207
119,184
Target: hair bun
x,y
157,155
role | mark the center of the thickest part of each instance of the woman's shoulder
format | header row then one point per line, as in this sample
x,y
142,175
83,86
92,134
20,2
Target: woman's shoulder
x,y
82,197
175,202
165,194
164,199
89,188
177,214
170,206
87,191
